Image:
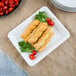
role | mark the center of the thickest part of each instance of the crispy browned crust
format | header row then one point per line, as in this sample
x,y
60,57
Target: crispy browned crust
x,y
46,42
38,34
29,29
43,38
33,37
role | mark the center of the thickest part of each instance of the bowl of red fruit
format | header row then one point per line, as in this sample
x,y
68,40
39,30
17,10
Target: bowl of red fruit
x,y
8,6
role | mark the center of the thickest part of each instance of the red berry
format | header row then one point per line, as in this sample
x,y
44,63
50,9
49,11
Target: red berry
x,y
11,9
17,3
34,52
48,19
19,0
1,13
51,23
5,7
3,0
1,9
12,6
6,12
6,2
11,2
16,0
32,57
1,4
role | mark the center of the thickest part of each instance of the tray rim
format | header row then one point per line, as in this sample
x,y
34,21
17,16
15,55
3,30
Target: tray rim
x,y
65,38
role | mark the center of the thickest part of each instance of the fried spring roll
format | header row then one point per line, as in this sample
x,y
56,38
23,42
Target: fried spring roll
x,y
37,32
43,38
46,42
29,29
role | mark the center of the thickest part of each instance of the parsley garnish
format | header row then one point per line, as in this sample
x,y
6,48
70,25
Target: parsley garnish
x,y
25,46
42,16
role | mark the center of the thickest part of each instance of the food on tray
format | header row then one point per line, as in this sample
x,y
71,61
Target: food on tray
x,y
29,29
32,56
43,38
37,32
37,35
41,16
47,41
25,46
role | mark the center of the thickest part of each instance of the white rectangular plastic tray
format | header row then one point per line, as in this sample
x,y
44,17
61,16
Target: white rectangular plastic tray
x,y
61,34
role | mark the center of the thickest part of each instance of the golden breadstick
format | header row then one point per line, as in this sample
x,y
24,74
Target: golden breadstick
x,y
46,42
43,38
37,32
30,28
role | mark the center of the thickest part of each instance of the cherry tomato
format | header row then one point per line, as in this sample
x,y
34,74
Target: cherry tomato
x,y
7,12
1,4
48,19
32,57
16,0
6,2
12,6
11,9
3,0
1,13
5,7
1,9
51,23
16,3
11,2
34,52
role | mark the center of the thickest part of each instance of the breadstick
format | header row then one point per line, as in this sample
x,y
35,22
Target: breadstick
x,y
46,42
37,32
30,28
43,38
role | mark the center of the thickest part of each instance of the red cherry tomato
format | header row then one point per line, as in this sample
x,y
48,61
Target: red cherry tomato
x,y
1,4
19,0
1,13
32,57
17,3
5,7
11,9
1,9
11,2
34,52
3,0
16,0
6,2
51,23
12,6
48,19
7,12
